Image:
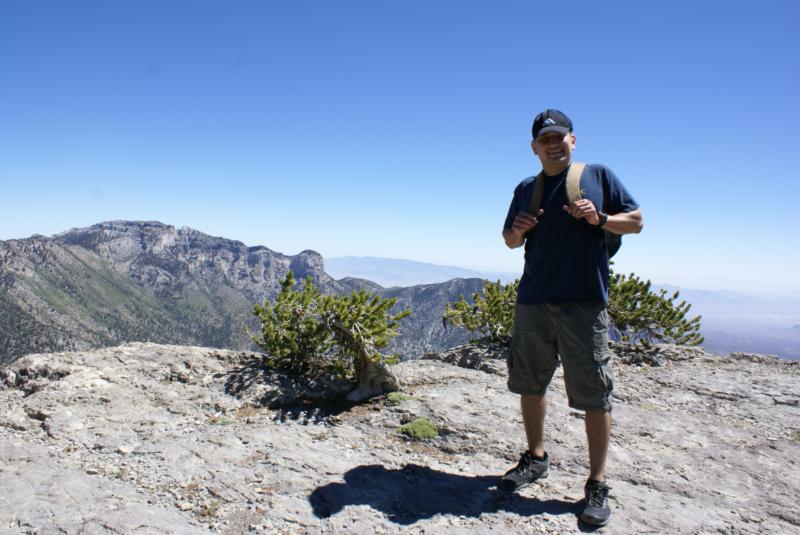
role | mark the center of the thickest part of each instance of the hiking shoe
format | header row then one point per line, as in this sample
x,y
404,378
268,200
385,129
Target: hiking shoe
x,y
526,472
596,510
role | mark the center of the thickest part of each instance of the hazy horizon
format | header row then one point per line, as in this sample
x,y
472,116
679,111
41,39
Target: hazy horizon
x,y
751,292
732,321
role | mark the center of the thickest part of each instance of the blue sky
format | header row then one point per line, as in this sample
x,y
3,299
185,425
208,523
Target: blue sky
x,y
399,129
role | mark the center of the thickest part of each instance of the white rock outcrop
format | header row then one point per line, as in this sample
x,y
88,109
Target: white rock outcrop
x,y
171,439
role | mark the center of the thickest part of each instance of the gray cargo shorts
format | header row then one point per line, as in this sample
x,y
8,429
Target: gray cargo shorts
x,y
578,333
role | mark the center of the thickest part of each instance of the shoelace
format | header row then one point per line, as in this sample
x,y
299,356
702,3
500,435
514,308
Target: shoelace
x,y
524,462
529,460
597,495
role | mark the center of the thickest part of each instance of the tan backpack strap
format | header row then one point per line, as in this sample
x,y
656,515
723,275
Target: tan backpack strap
x,y
574,181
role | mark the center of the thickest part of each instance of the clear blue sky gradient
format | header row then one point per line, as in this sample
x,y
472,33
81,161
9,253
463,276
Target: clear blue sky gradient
x,y
399,129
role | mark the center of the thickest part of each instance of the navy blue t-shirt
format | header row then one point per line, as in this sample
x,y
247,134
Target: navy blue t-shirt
x,y
566,259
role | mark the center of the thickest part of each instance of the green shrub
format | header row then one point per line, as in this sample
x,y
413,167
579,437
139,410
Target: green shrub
x,y
395,398
639,314
491,314
420,429
309,334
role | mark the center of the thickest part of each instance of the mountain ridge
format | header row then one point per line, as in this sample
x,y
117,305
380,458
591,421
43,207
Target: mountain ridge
x,y
732,321
124,281
391,272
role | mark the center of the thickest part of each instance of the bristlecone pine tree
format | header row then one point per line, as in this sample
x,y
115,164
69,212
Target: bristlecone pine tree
x,y
491,315
309,334
638,314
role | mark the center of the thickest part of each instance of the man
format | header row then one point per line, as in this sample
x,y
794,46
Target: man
x,y
561,302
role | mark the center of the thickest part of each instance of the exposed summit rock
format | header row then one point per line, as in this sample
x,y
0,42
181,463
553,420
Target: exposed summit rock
x,y
172,439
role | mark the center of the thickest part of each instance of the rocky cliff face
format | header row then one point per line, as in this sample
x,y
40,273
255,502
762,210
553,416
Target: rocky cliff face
x,y
171,261
145,281
58,297
171,439
424,330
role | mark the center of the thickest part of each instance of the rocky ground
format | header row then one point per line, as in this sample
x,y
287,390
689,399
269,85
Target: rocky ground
x,y
147,438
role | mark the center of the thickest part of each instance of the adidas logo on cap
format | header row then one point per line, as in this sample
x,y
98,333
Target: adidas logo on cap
x,y
551,121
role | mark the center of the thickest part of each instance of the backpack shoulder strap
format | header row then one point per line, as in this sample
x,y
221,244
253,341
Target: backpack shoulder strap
x,y
613,241
536,203
538,193
574,181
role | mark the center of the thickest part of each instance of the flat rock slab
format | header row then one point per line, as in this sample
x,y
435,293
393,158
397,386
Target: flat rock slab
x,y
147,438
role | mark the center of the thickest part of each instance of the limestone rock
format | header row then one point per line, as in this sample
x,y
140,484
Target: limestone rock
x,y
176,439
485,356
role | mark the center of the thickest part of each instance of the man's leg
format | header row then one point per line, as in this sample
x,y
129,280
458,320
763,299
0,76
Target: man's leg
x,y
590,381
596,510
534,409
532,361
534,463
598,434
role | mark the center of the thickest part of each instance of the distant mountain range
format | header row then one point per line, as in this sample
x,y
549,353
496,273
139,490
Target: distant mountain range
x,y
731,321
734,321
124,281
390,272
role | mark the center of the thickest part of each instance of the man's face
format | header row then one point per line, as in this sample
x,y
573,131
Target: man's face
x,y
553,148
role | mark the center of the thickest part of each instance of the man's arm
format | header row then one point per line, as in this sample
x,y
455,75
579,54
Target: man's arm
x,y
621,223
512,238
523,222
625,222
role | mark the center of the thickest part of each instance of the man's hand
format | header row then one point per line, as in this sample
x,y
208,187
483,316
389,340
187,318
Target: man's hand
x,y
525,221
621,223
515,236
583,209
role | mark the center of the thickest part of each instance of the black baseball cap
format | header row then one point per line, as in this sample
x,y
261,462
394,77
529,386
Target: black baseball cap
x,y
551,121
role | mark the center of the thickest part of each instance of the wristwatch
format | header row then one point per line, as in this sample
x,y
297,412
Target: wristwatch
x,y
603,219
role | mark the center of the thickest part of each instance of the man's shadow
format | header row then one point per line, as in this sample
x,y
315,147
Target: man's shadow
x,y
416,492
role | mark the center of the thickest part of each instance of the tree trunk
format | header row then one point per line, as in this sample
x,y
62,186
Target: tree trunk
x,y
374,378
372,374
